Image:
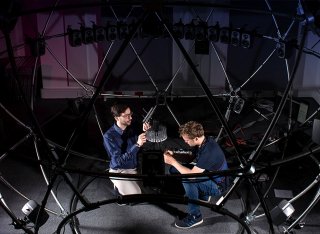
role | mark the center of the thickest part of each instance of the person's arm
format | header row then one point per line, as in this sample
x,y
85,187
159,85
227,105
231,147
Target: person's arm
x,y
141,139
114,151
168,159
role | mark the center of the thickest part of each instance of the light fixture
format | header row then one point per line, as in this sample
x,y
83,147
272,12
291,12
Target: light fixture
x,y
32,211
75,38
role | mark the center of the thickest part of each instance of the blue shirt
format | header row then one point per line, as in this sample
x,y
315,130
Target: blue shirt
x,y
121,147
209,156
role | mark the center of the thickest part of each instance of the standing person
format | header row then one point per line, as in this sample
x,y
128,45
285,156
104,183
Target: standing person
x,y
122,145
209,157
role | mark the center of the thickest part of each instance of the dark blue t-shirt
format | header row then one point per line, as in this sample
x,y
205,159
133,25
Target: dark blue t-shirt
x,y
209,156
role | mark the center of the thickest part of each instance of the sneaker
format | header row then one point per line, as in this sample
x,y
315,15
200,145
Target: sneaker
x,y
205,198
189,221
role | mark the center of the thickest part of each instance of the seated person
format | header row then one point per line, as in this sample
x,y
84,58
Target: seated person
x,y
122,145
209,157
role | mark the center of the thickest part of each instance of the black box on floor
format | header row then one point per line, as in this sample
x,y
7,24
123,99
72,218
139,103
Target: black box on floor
x,y
152,164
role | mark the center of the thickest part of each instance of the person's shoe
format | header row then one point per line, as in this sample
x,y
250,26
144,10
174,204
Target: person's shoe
x,y
189,221
205,198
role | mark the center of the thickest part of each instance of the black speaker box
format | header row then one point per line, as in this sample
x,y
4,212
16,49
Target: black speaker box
x,y
152,164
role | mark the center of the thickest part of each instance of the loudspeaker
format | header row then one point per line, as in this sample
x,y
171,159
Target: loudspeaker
x,y
225,35
87,35
235,37
284,49
238,106
178,29
112,33
31,209
75,38
281,212
189,31
281,50
201,31
123,30
246,40
213,33
99,33
152,164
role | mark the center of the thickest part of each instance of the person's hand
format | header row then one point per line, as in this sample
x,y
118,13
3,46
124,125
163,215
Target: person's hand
x,y
168,159
168,152
141,139
146,126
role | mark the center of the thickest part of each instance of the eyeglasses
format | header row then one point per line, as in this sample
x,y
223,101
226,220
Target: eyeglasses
x,y
127,115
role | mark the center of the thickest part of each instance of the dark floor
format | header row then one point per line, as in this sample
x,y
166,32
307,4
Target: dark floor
x,y
58,120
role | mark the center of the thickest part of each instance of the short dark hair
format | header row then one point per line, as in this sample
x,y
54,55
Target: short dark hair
x,y
118,108
192,129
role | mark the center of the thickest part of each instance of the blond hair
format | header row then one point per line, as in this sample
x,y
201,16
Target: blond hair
x,y
192,129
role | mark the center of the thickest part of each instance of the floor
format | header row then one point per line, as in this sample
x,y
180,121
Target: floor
x,y
163,201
